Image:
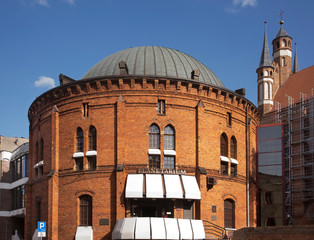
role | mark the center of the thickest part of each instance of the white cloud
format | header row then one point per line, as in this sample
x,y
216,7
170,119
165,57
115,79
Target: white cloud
x,y
245,3
71,2
238,4
45,82
44,3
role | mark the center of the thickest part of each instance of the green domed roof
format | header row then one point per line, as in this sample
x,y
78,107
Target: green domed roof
x,y
154,61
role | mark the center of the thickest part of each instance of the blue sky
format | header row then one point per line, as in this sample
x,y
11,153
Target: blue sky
x,y
42,38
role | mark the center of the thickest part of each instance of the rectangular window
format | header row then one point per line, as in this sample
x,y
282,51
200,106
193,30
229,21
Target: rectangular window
x,y
161,107
169,162
234,170
154,141
40,171
229,119
36,172
224,168
91,163
79,164
85,110
154,161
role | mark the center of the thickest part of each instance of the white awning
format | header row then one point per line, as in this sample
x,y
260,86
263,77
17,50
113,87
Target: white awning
x,y
154,187
170,152
134,186
185,229
224,159
142,230
124,229
172,229
91,153
173,186
191,188
78,155
84,233
234,161
198,229
158,228
154,151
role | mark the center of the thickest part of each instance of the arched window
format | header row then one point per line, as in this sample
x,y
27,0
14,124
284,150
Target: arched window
x,y
233,147
41,150
229,213
79,140
224,160
289,43
92,145
92,138
154,146
154,137
169,138
37,153
283,62
270,91
265,73
169,147
86,210
284,43
223,145
266,90
233,154
260,88
277,44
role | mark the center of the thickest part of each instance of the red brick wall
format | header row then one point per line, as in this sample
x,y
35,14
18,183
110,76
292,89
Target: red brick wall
x,y
122,138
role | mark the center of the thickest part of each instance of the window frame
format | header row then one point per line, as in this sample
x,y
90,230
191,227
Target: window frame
x,y
79,140
86,210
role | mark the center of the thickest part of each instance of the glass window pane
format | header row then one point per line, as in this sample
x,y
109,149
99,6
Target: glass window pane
x,y
270,145
269,132
270,158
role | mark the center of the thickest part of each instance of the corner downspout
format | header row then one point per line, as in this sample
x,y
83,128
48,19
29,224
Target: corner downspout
x,y
247,165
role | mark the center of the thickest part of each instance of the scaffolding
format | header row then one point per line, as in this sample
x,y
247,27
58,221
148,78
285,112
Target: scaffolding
x,y
298,122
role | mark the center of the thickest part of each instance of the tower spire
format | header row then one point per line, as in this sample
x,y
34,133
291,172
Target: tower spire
x,y
265,57
295,63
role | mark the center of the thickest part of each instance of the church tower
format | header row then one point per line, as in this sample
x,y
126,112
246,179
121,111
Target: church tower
x,y
265,79
282,55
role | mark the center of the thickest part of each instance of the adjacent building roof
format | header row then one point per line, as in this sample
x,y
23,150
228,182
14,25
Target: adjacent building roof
x,y
154,61
282,32
265,57
11,143
300,82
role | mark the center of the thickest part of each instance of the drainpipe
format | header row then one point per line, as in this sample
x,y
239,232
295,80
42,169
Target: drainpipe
x,y
247,165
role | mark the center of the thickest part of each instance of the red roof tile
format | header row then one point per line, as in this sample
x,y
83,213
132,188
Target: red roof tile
x,y
300,82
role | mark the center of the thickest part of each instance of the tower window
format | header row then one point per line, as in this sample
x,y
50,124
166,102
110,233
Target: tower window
x,y
79,140
154,137
86,210
229,119
161,107
92,138
229,213
277,44
283,62
169,138
85,110
79,164
169,162
154,161
91,163
224,153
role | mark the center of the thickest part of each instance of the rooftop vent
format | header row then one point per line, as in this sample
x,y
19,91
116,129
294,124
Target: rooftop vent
x,y
195,74
123,68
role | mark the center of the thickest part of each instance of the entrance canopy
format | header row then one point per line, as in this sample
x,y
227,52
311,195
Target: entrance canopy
x,y
158,186
158,228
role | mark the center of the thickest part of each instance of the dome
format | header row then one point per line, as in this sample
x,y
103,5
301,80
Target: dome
x,y
154,61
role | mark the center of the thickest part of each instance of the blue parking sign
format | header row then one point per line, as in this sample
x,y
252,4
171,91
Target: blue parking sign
x,y
41,229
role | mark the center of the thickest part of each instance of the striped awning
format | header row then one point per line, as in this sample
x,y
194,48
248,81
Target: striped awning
x,y
158,228
158,186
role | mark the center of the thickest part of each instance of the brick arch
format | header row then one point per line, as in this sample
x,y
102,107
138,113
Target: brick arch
x,y
229,196
84,192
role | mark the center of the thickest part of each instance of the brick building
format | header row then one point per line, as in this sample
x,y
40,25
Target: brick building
x,y
286,136
146,133
13,176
